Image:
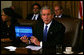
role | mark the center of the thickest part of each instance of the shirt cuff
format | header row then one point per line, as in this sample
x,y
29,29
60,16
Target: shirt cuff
x,y
29,42
41,43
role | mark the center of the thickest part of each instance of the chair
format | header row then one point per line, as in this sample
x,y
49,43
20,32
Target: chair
x,y
72,32
27,22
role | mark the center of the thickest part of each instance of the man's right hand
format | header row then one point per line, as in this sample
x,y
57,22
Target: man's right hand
x,y
24,39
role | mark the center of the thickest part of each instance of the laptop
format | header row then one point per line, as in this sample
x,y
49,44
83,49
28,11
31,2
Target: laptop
x,y
23,30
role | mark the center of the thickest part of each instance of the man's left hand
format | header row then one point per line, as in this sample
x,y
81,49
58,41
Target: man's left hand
x,y
35,40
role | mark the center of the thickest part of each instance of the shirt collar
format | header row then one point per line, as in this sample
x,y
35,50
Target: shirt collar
x,y
36,14
58,16
47,25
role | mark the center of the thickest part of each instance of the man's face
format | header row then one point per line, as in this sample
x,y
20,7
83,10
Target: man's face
x,y
57,10
46,16
35,9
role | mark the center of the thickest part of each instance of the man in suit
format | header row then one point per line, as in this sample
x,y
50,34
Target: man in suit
x,y
35,16
59,12
48,33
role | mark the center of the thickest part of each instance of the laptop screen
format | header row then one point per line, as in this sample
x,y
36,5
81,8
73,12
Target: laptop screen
x,y
23,30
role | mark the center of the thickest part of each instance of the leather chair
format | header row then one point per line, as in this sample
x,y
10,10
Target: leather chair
x,y
27,22
72,32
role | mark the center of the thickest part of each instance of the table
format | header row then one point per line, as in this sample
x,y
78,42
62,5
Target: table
x,y
19,50
22,50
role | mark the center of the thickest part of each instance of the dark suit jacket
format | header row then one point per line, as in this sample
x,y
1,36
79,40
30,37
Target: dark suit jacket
x,y
55,35
29,17
63,16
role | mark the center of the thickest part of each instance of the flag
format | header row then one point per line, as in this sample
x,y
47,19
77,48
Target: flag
x,y
80,14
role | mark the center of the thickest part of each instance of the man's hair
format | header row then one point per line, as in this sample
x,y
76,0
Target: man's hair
x,y
59,6
46,7
37,5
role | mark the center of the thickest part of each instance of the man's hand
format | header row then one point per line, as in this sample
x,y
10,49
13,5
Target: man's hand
x,y
35,40
24,39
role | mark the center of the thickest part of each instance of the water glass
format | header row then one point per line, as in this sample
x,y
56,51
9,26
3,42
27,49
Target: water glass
x,y
58,49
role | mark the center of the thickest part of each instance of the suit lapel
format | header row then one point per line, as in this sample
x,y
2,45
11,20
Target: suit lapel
x,y
39,17
52,28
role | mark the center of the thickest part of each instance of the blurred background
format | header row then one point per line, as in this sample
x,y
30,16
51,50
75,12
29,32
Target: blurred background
x,y
23,8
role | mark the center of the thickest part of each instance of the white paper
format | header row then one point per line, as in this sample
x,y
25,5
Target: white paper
x,y
11,48
34,47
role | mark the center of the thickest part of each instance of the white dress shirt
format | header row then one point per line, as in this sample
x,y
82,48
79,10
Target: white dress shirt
x,y
58,16
47,25
36,16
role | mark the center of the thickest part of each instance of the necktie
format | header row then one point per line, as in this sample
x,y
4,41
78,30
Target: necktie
x,y
45,34
34,18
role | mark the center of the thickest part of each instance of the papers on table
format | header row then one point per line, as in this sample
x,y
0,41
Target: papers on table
x,y
11,48
34,47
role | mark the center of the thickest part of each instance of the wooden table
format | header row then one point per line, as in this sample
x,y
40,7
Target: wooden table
x,y
19,50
